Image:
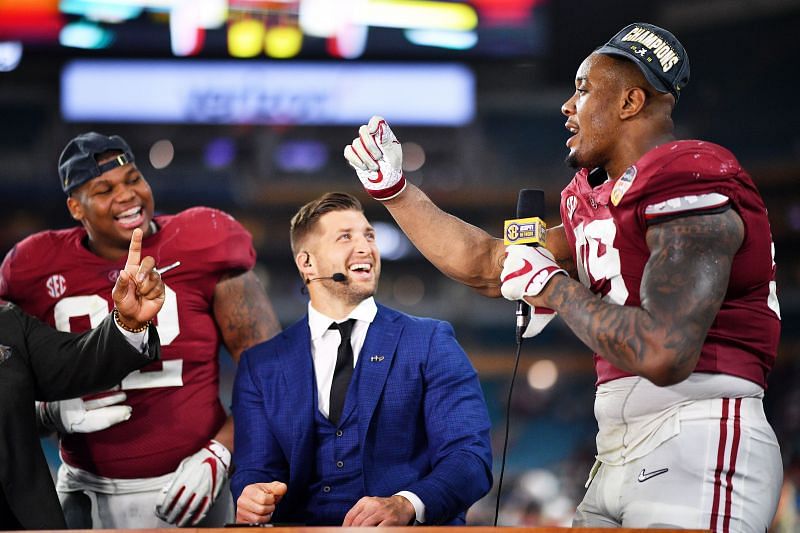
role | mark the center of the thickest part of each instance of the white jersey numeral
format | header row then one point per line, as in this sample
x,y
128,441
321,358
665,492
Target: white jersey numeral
x,y
170,375
772,299
97,308
598,260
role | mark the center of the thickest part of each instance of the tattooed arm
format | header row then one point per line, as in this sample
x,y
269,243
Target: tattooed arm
x,y
243,312
245,317
683,286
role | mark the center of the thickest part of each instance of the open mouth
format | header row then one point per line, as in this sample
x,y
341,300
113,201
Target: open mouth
x,y
131,218
573,130
361,270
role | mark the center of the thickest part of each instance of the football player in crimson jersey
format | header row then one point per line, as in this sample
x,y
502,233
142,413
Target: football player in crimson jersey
x,y
156,451
671,283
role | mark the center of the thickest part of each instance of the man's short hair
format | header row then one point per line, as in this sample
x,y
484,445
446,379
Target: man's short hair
x,y
78,162
306,218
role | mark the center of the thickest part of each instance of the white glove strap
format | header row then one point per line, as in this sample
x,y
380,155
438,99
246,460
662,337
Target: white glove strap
x,y
222,453
392,180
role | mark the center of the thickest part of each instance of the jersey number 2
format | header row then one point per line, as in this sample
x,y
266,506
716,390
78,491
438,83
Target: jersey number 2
x,y
97,308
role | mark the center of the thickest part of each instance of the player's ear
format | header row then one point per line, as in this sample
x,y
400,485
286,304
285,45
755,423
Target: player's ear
x,y
304,263
75,208
633,100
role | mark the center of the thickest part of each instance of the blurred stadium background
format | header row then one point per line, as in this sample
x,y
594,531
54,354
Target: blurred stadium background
x,y
245,105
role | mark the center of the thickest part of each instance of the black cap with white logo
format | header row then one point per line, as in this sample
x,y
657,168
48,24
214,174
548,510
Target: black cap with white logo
x,y
658,54
78,162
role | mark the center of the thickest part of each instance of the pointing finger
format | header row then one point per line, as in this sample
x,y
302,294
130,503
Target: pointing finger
x,y
134,252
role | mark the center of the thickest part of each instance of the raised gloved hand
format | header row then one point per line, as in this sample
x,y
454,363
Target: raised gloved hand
x,y
378,159
526,271
195,485
84,416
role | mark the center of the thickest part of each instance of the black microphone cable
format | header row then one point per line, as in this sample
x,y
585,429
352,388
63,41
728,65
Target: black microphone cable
x,y
508,423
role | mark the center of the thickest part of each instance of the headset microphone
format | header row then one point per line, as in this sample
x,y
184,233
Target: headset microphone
x,y
336,276
528,228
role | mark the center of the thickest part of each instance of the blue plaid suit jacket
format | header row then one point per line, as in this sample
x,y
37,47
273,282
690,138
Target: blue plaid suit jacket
x,y
422,417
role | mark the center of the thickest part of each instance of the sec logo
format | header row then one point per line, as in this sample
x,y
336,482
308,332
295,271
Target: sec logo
x,y
512,232
56,286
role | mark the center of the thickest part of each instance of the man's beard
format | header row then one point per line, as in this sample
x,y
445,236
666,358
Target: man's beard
x,y
572,161
356,295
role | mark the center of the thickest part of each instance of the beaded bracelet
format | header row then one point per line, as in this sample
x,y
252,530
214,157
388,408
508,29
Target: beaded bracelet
x,y
126,328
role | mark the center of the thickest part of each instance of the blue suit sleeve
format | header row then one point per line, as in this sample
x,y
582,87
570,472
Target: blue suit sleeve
x,y
458,426
257,456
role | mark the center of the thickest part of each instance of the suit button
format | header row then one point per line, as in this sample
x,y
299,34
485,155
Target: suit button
x,y
339,464
326,488
339,433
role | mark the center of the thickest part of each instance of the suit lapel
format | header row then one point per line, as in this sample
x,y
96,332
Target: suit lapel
x,y
297,367
375,361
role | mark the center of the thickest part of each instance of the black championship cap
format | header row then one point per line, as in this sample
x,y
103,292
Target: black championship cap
x,y
78,161
658,54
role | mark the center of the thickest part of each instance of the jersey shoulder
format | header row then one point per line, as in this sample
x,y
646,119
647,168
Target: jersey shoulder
x,y
684,167
38,254
690,157
680,177
208,235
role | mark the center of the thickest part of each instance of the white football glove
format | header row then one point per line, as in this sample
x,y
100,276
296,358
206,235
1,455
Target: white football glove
x,y
84,416
195,485
378,159
540,317
526,271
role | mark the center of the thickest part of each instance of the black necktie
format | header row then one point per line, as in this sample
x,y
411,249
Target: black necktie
x,y
343,371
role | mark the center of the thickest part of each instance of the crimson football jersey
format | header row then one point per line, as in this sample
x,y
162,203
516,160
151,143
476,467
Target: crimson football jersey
x,y
175,401
606,226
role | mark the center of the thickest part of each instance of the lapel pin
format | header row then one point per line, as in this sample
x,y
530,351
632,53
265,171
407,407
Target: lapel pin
x,y
376,358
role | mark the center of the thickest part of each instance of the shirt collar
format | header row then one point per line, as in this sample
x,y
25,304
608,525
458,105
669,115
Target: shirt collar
x,y
318,323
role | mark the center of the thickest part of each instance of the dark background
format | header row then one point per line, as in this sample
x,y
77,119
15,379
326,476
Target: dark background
x,y
743,94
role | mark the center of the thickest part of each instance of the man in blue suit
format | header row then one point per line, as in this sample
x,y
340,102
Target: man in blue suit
x,y
357,415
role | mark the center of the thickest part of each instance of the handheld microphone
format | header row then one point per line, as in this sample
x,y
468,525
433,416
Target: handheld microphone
x,y
528,228
336,276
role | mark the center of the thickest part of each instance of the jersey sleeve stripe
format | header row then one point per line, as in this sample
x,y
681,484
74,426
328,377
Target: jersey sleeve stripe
x,y
686,204
703,204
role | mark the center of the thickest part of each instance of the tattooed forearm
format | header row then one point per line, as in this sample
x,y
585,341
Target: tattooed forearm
x,y
683,285
243,312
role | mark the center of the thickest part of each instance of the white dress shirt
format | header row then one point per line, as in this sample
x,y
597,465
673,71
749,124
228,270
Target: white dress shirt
x,y
325,346
138,339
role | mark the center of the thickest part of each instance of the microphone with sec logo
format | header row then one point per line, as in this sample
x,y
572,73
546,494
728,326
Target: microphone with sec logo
x,y
528,228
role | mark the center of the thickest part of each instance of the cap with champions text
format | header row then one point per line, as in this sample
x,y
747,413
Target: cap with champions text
x,y
78,162
659,55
